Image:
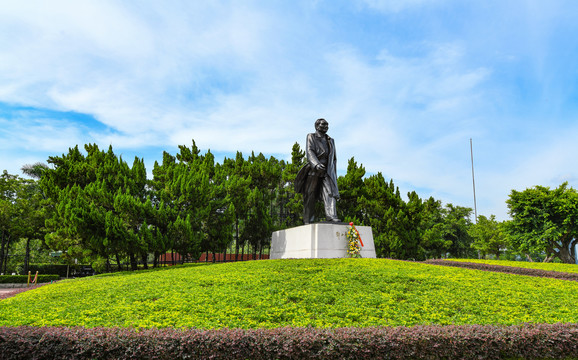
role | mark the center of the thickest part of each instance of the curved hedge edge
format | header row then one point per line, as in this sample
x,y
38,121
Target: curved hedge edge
x,y
506,269
527,341
7,294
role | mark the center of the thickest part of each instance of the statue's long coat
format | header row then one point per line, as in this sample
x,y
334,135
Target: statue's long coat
x,y
312,151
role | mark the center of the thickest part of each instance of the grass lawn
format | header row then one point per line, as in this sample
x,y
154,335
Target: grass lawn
x,y
308,292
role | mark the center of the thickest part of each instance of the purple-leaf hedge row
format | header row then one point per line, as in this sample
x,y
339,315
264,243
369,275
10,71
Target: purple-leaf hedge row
x,y
528,341
506,269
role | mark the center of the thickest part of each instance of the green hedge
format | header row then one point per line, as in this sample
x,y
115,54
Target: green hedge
x,y
23,279
50,269
59,269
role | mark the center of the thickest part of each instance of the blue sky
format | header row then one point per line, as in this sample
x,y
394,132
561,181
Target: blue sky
x,y
403,84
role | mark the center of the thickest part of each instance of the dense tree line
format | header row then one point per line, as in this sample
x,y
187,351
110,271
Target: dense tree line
x,y
105,209
22,216
411,228
93,205
101,207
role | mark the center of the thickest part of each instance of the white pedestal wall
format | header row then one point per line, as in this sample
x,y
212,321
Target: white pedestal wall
x,y
318,241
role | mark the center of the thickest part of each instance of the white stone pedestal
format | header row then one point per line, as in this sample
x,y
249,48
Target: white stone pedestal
x,y
318,241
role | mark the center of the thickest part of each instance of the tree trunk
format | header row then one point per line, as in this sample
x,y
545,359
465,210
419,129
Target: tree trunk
x,y
243,253
27,256
6,238
281,217
2,246
237,238
564,254
118,262
529,258
133,264
144,261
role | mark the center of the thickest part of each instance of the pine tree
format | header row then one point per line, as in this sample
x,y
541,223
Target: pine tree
x,y
100,205
291,201
351,189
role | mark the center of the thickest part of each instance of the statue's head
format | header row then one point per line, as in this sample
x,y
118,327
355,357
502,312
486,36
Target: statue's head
x,y
321,125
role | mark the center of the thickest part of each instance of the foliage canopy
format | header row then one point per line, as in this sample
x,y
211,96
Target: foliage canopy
x,y
545,220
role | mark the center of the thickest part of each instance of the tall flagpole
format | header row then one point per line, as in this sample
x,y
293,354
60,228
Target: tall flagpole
x,y
473,182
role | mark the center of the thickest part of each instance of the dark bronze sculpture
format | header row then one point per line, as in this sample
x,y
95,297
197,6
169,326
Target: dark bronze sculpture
x,y
318,178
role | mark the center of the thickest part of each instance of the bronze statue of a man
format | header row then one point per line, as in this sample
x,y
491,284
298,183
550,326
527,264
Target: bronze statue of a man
x,y
318,178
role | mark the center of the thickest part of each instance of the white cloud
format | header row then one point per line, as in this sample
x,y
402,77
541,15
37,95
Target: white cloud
x,y
103,59
44,134
395,114
255,77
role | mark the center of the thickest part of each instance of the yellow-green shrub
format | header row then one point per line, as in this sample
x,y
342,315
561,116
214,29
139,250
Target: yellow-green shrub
x,y
275,293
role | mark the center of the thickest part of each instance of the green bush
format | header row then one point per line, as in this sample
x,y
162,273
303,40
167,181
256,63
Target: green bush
x,y
23,279
99,265
59,269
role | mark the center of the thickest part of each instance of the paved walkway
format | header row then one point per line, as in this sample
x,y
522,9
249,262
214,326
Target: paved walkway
x,y
8,292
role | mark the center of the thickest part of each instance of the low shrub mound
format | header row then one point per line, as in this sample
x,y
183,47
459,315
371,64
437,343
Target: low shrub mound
x,y
506,269
319,293
558,341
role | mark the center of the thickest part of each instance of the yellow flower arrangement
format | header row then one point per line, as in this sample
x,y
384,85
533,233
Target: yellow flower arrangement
x,y
354,242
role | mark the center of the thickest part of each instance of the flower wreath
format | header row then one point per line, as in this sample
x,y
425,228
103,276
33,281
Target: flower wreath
x,y
354,242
